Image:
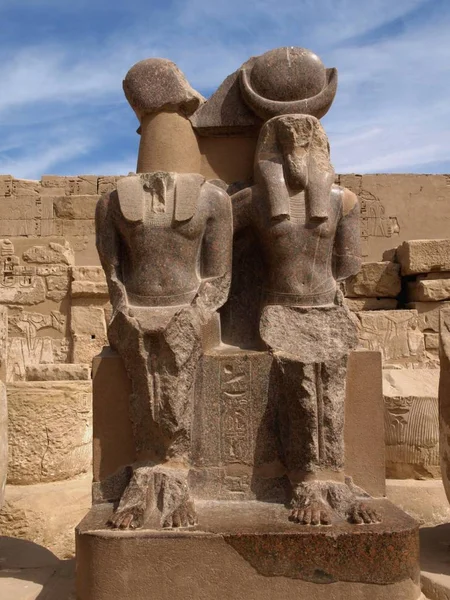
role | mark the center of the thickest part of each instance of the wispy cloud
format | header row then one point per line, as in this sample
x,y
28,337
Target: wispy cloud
x,y
62,108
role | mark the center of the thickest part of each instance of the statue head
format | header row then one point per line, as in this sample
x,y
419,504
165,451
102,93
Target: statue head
x,y
293,155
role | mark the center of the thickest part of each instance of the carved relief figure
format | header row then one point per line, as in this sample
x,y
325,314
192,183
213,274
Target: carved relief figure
x,y
164,240
309,232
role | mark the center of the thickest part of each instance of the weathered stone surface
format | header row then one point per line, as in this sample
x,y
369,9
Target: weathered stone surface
x,y
58,372
88,329
76,207
411,423
395,333
46,513
50,430
444,397
431,341
424,256
161,308
425,500
240,551
375,280
428,314
27,296
57,286
89,281
357,304
430,288
107,184
435,571
288,81
53,253
3,342
155,85
3,440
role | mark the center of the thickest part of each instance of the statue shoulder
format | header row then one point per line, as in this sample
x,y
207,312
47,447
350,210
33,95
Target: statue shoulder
x,y
348,199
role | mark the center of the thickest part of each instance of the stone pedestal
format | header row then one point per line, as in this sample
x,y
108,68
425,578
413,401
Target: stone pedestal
x,y
249,551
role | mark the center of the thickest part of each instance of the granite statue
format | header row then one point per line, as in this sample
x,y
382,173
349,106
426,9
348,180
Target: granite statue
x,y
164,241
308,228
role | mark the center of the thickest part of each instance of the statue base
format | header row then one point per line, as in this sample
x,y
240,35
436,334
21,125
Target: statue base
x,y
249,550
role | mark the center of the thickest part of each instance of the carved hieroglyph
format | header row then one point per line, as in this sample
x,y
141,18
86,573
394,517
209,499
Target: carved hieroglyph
x,y
309,232
164,241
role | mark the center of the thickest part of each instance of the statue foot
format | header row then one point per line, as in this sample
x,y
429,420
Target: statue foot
x,y
173,497
309,506
158,494
132,506
360,513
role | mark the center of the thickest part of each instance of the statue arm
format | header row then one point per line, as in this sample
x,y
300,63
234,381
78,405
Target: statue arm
x,y
107,243
347,249
216,257
242,209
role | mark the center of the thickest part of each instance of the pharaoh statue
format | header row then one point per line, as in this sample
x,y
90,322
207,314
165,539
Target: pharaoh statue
x,y
308,229
164,241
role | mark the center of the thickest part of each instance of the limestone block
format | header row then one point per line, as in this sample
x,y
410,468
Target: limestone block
x,y
57,286
26,187
74,227
46,513
3,342
58,372
53,253
395,333
88,329
424,256
431,341
5,185
53,185
89,281
107,184
357,304
424,500
411,423
430,288
76,207
86,185
428,314
27,295
50,430
375,280
3,441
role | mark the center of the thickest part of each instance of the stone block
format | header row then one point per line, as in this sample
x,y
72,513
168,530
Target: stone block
x,y
76,207
58,372
430,288
431,341
77,227
357,304
53,253
88,329
375,280
107,184
428,314
50,430
24,295
57,286
5,186
88,282
411,423
444,397
86,185
424,256
26,187
46,513
395,333
3,441
434,563
424,500
251,551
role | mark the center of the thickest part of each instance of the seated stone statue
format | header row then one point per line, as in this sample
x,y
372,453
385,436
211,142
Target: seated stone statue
x,y
164,241
308,228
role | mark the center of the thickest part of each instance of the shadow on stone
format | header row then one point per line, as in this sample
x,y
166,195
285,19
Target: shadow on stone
x,y
23,563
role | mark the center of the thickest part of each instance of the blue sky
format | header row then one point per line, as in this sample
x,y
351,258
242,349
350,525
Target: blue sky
x,y
62,109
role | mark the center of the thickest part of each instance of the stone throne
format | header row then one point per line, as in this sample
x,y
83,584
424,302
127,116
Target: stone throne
x,y
244,540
